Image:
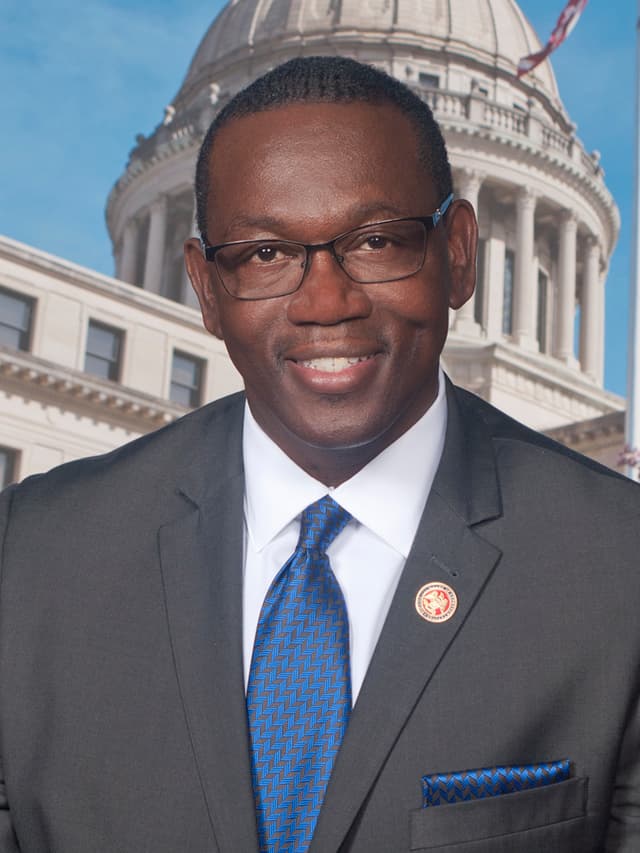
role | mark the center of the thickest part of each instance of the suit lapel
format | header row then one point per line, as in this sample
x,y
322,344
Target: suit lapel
x,y
410,649
201,559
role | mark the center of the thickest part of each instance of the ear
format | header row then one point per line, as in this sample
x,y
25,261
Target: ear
x,y
462,245
201,274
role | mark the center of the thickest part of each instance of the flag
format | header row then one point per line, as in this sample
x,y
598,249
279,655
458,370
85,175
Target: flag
x,y
566,22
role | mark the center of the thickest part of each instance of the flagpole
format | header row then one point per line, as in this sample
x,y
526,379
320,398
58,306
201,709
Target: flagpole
x,y
633,368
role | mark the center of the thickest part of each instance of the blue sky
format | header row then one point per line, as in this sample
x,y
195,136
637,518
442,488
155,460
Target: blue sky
x,y
80,80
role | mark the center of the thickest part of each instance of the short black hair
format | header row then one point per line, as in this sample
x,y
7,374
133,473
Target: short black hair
x,y
328,79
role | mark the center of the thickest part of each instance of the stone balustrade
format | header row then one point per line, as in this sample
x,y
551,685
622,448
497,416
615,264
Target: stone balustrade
x,y
479,110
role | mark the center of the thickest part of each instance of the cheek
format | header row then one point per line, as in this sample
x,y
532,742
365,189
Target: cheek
x,y
422,307
247,330
420,322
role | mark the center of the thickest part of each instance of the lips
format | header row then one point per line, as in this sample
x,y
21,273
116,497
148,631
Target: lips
x,y
332,373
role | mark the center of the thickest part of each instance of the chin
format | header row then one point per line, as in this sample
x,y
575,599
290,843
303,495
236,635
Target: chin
x,y
343,435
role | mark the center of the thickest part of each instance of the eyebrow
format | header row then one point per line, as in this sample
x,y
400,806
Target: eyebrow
x,y
361,213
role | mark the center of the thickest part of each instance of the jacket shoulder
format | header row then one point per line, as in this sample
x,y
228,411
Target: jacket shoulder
x,y
155,460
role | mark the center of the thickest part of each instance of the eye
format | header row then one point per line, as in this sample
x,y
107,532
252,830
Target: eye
x,y
266,253
372,241
375,241
271,252
385,240
258,256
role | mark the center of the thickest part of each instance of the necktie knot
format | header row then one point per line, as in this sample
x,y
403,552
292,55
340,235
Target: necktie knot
x,y
321,522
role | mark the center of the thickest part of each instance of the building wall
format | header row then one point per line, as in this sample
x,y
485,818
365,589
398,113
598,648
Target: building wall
x,y
54,410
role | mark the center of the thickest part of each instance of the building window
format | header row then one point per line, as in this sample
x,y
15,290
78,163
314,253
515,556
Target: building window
x,y
507,292
142,238
431,81
8,466
174,275
179,227
577,326
478,305
16,316
543,301
103,351
186,379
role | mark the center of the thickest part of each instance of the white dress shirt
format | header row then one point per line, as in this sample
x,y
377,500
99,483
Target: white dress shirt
x,y
386,499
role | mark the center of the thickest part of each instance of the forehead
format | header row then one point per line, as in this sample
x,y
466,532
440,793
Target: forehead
x,y
316,164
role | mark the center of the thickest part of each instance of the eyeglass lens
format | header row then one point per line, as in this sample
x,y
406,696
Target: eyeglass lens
x,y
373,253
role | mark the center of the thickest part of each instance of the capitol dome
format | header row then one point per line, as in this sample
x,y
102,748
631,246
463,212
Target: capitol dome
x,y
493,33
532,339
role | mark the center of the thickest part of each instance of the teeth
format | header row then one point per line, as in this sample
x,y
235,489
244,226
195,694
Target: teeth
x,y
331,364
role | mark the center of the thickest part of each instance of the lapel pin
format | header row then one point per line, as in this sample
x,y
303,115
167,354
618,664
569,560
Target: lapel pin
x,y
436,602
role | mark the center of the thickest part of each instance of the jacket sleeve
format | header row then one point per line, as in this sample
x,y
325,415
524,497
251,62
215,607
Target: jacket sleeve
x,y
623,835
8,840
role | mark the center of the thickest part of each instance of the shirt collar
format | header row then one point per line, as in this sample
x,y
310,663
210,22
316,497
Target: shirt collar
x,y
388,495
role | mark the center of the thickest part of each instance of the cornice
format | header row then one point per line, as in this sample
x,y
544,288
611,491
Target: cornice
x,y
149,154
27,257
543,370
552,165
605,426
74,390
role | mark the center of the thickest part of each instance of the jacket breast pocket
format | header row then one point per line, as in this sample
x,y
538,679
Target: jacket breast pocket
x,y
549,819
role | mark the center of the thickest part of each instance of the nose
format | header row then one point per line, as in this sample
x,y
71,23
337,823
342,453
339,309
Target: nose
x,y
327,296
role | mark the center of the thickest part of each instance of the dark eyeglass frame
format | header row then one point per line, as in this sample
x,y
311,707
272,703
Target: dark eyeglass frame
x,y
430,222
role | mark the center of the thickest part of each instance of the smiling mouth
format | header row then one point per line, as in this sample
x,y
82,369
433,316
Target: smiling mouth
x,y
333,364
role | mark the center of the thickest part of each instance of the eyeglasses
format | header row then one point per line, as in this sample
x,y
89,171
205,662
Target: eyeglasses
x,y
372,254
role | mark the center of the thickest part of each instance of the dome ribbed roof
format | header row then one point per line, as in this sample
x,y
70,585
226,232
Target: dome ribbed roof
x,y
493,33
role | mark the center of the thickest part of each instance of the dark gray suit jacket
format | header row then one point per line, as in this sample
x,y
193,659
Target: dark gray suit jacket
x,y
122,714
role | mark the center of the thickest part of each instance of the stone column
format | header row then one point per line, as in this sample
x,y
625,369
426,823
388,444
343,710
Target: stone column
x,y
590,331
188,294
601,313
129,254
154,261
524,289
470,182
567,288
494,262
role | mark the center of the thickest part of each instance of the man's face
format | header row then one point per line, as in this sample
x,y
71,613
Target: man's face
x,y
336,369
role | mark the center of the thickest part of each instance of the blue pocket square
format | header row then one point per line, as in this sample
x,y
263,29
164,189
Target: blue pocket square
x,y
443,788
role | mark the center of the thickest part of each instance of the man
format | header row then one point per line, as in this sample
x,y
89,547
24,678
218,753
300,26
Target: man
x,y
449,663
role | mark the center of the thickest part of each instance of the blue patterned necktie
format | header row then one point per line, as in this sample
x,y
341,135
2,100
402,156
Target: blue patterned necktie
x,y
299,693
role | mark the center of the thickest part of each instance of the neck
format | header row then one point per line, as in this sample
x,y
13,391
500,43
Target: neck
x,y
332,463
334,466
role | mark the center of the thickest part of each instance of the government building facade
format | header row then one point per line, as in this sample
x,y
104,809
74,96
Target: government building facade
x,y
88,362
